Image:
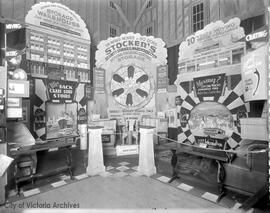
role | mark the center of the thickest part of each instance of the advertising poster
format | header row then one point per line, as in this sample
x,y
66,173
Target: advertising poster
x,y
61,120
213,36
211,97
99,80
254,74
61,91
130,62
209,86
162,78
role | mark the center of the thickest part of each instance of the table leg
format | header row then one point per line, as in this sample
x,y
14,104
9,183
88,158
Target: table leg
x,y
69,162
220,180
173,164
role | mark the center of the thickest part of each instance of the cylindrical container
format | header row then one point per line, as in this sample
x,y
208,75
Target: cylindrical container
x,y
83,136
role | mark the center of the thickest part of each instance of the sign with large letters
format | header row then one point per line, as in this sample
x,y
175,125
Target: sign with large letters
x,y
212,37
58,17
61,91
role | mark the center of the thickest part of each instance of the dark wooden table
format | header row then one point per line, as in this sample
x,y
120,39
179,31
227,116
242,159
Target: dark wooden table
x,y
60,143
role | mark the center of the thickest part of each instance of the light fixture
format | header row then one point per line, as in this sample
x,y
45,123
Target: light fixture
x,y
19,74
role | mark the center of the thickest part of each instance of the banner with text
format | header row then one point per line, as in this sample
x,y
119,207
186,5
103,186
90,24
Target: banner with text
x,y
57,17
209,86
61,91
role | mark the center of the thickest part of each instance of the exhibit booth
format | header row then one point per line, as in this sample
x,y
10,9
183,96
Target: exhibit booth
x,y
217,80
130,70
48,76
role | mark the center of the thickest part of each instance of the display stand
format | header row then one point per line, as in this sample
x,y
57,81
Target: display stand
x,y
146,155
95,152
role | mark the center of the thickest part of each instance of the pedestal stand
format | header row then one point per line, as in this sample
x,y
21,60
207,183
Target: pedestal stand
x,y
146,155
95,152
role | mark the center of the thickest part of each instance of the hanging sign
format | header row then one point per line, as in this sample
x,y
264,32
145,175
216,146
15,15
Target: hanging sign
x,y
254,69
209,86
260,35
60,91
55,16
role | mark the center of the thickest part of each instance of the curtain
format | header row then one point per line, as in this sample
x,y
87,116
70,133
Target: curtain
x,y
172,63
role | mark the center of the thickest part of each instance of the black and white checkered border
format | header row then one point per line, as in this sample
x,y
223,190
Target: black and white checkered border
x,y
233,99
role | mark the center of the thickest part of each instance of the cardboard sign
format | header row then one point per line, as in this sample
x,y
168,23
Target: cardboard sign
x,y
212,37
209,86
129,47
206,142
254,69
58,17
60,91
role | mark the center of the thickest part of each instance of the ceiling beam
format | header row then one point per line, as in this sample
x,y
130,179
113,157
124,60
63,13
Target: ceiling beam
x,y
122,15
140,14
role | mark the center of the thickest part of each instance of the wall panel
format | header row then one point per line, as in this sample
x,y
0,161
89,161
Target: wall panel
x,y
160,19
166,23
172,21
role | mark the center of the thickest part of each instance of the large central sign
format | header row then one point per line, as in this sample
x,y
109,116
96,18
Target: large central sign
x,y
131,46
130,64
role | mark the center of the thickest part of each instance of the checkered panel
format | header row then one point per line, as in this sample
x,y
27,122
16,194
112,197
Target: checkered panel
x,y
39,101
233,99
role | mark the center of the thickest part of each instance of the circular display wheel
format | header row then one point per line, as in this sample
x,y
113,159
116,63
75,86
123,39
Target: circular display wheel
x,y
131,87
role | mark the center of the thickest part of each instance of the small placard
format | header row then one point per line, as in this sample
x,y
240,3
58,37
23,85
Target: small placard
x,y
127,150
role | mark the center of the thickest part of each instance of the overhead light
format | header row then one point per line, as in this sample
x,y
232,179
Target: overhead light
x,y
19,74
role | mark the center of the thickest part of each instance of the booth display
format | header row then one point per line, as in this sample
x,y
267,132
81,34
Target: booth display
x,y
215,82
219,87
48,89
126,79
58,59
210,92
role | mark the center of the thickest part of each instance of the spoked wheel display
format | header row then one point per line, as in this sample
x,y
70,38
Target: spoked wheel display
x,y
131,86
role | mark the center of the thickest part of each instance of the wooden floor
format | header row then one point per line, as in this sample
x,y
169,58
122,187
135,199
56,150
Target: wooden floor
x,y
119,193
